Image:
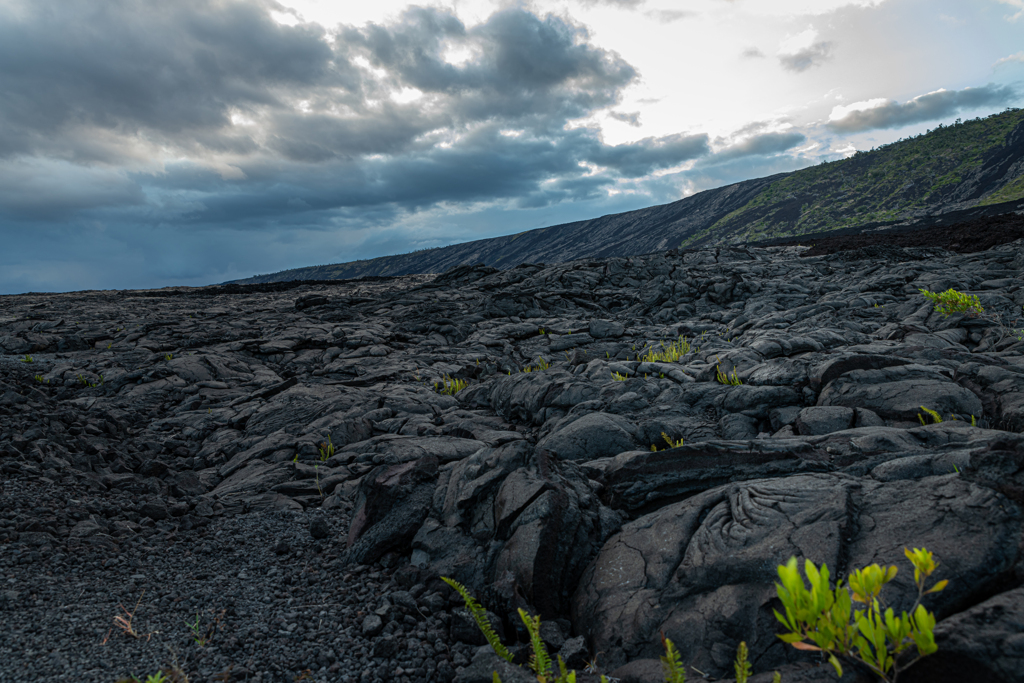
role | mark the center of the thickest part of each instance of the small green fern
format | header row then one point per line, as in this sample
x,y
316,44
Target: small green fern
x,y
742,666
540,660
727,378
480,617
669,441
672,663
935,416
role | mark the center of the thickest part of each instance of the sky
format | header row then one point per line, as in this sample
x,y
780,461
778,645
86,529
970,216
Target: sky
x,y
146,143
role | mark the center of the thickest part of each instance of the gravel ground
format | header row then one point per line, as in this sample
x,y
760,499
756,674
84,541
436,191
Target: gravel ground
x,y
273,602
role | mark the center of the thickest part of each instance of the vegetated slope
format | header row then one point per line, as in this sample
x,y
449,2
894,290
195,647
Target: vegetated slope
x,y
975,163
975,167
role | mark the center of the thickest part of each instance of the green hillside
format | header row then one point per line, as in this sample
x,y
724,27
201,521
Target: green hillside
x,y
967,164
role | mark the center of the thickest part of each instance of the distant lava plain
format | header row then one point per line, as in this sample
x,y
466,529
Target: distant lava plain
x,y
267,481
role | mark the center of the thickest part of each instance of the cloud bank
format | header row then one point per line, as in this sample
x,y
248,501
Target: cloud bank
x,y
880,114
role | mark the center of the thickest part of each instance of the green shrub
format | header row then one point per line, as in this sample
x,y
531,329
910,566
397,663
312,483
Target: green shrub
x,y
875,637
951,301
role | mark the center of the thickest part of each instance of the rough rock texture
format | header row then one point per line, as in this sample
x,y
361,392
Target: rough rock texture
x,y
285,463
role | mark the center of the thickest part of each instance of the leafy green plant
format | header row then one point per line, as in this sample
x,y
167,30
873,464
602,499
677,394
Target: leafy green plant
x,y
619,377
28,359
951,301
168,356
39,378
450,385
875,637
542,364
158,677
935,416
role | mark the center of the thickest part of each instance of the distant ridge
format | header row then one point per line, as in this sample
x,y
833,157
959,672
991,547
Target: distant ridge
x,y
969,170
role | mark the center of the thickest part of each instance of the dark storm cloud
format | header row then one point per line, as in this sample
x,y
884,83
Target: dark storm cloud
x,y
276,119
521,65
639,158
802,60
930,107
156,70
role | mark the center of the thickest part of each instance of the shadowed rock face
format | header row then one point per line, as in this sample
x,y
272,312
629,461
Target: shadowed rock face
x,y
616,490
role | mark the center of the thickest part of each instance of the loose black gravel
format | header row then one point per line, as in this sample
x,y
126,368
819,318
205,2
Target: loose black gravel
x,y
273,602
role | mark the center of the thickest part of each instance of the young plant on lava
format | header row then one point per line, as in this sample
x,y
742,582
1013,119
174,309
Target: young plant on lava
x,y
450,385
874,637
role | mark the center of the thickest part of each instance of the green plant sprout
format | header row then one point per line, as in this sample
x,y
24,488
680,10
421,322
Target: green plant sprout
x,y
668,354
168,356
742,666
669,441
28,359
672,663
479,615
158,677
450,385
199,636
935,416
875,637
39,378
731,379
542,364
540,660
541,331
616,377
326,449
951,301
